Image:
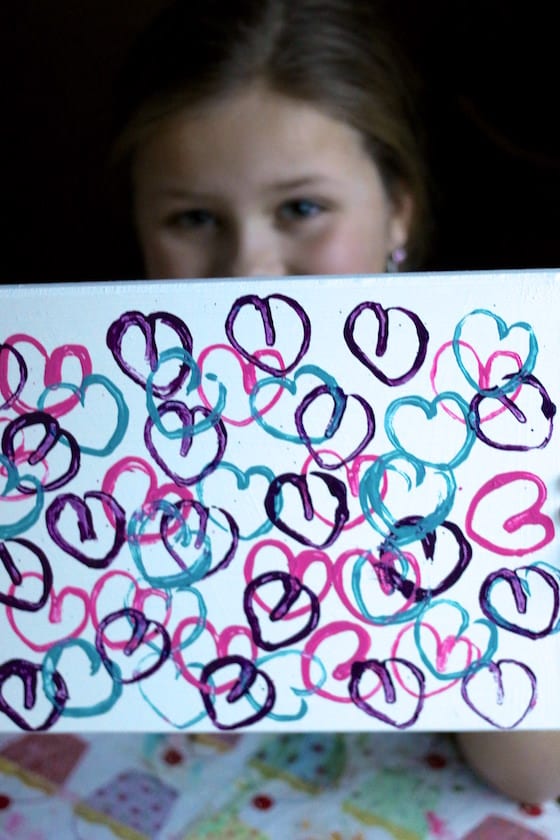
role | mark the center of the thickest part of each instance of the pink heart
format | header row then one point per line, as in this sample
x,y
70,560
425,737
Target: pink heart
x,y
56,603
248,373
444,649
484,378
52,375
155,492
296,565
137,599
221,642
529,516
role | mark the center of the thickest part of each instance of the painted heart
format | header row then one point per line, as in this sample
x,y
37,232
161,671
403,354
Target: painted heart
x,y
510,592
51,440
135,623
202,535
275,503
67,506
194,550
353,474
452,653
414,490
311,566
100,421
379,593
243,492
212,440
502,693
527,421
448,626
487,330
290,703
498,365
389,341
441,559
204,643
124,474
395,708
92,690
249,677
120,587
20,553
151,327
308,382
350,414
325,649
27,672
293,590
274,310
54,366
67,617
239,378
418,427
499,493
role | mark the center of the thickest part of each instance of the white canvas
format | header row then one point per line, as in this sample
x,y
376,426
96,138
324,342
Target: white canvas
x,y
285,504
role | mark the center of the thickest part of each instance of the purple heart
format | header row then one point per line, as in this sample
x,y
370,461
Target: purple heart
x,y
27,672
16,577
243,684
379,668
140,628
203,514
147,325
495,669
389,550
334,424
382,316
548,410
86,528
512,579
262,305
293,588
337,489
52,434
187,417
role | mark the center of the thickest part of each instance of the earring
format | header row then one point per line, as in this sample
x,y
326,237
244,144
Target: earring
x,y
394,260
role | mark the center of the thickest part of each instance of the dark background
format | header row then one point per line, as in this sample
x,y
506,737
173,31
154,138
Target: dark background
x,y
491,71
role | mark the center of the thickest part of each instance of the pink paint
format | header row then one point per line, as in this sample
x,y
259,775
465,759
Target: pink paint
x,y
248,379
531,515
437,826
154,493
52,375
484,376
297,565
138,595
341,672
56,604
444,647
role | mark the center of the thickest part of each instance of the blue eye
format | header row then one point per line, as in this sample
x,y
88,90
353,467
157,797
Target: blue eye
x,y
302,208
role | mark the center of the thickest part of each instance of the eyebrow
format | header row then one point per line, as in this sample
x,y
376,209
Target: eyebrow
x,y
173,192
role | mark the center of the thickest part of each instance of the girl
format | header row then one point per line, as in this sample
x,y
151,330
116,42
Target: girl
x,y
278,137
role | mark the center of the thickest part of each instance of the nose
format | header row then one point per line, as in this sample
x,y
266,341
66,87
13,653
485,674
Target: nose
x,y
256,251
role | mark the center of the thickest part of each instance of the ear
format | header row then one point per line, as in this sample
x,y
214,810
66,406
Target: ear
x,y
401,219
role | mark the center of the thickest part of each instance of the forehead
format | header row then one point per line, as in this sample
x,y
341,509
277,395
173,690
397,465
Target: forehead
x,y
256,130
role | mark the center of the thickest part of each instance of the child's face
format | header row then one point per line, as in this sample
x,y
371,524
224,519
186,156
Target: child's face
x,y
259,184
